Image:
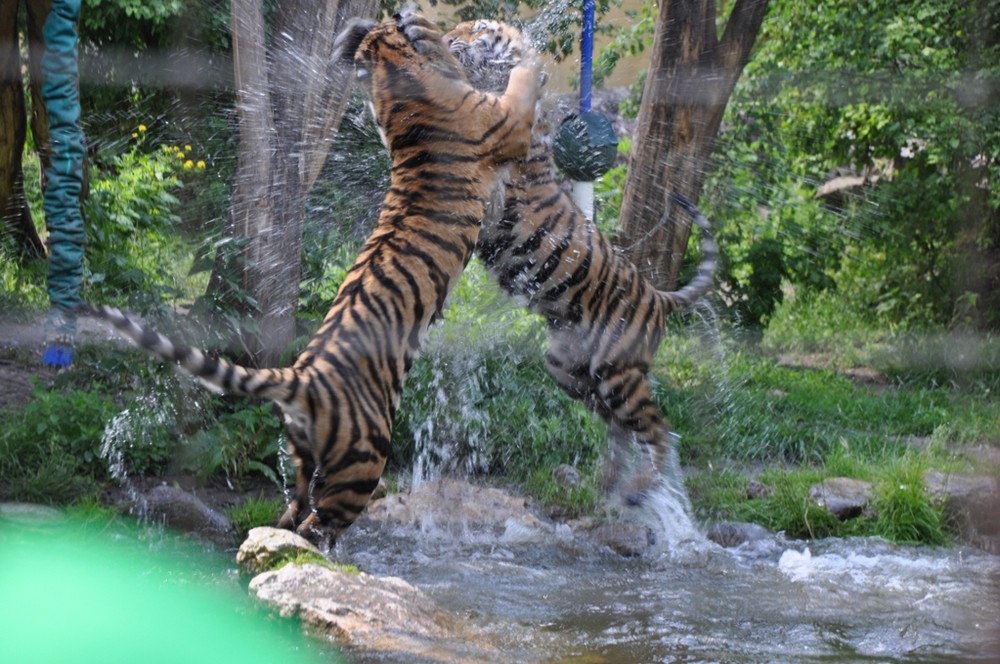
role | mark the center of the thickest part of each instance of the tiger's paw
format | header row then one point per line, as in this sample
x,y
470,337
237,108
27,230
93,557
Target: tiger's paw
x,y
290,518
426,38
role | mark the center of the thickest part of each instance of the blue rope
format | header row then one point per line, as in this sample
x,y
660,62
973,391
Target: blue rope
x,y
586,55
64,177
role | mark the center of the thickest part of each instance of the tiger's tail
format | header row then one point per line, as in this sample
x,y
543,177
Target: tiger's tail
x,y
216,373
695,289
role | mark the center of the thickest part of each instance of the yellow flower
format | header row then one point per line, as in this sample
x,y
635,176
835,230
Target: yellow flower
x,y
135,134
142,129
180,155
188,164
188,148
201,164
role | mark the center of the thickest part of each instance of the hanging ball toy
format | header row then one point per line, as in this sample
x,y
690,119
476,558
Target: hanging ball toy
x,y
585,146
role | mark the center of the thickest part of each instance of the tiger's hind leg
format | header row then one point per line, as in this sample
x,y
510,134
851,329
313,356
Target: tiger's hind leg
x,y
575,379
623,398
628,396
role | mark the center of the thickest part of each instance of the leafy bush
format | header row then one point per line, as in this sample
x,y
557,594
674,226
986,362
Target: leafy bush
x,y
51,452
130,216
238,439
914,244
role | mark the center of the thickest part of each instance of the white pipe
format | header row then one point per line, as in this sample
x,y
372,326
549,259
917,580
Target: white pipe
x,y
583,195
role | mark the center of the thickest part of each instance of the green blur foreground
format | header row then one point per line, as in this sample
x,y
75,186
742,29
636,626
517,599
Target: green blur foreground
x,y
69,593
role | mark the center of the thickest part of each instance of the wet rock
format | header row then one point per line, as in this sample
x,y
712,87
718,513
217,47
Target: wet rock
x,y
842,497
626,539
731,534
566,475
382,614
454,507
184,512
265,548
972,502
757,489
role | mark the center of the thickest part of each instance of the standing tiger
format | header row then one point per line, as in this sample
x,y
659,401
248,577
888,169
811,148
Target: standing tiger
x,y
339,398
605,320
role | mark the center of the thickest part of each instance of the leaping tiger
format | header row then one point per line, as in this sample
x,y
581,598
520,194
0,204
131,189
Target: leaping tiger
x,y
605,320
338,399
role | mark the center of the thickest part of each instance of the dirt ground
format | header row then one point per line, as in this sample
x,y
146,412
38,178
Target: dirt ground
x,y
21,346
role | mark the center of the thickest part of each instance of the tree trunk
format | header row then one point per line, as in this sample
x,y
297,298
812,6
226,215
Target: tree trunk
x,y
290,102
14,211
691,76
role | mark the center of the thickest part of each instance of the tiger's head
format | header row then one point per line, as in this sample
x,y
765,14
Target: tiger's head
x,y
404,58
488,50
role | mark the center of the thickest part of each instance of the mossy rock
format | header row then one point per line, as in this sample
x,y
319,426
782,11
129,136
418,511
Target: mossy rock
x,y
267,549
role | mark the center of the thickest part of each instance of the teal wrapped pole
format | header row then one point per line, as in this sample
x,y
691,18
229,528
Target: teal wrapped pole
x,y
64,178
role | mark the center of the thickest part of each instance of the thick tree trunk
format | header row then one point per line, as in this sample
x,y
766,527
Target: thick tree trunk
x,y
290,102
14,211
691,76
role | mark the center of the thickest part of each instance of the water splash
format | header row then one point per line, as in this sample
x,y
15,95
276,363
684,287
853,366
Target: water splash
x,y
667,509
127,431
453,436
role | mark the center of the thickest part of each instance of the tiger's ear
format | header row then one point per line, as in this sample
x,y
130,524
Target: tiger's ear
x,y
347,42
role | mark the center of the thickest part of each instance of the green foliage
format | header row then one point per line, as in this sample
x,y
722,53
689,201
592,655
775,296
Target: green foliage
x,y
904,511
22,287
751,409
51,452
956,359
130,218
630,40
237,439
254,512
883,92
133,22
824,322
900,510
608,192
567,502
480,401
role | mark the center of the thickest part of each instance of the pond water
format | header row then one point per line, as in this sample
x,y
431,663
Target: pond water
x,y
560,600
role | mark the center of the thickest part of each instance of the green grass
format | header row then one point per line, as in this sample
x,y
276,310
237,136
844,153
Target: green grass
x,y
748,408
935,393
900,510
254,512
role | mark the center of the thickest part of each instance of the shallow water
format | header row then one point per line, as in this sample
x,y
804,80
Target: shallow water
x,y
562,599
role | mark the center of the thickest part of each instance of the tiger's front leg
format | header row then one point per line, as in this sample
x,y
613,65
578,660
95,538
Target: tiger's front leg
x,y
305,468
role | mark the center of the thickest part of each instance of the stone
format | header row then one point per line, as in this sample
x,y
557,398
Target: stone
x,y
971,502
265,548
731,534
381,614
843,497
566,475
185,512
757,489
630,540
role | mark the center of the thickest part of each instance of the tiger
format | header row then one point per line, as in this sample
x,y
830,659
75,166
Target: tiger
x,y
448,143
605,321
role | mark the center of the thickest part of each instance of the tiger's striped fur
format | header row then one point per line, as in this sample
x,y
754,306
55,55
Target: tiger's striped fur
x,y
339,398
605,320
